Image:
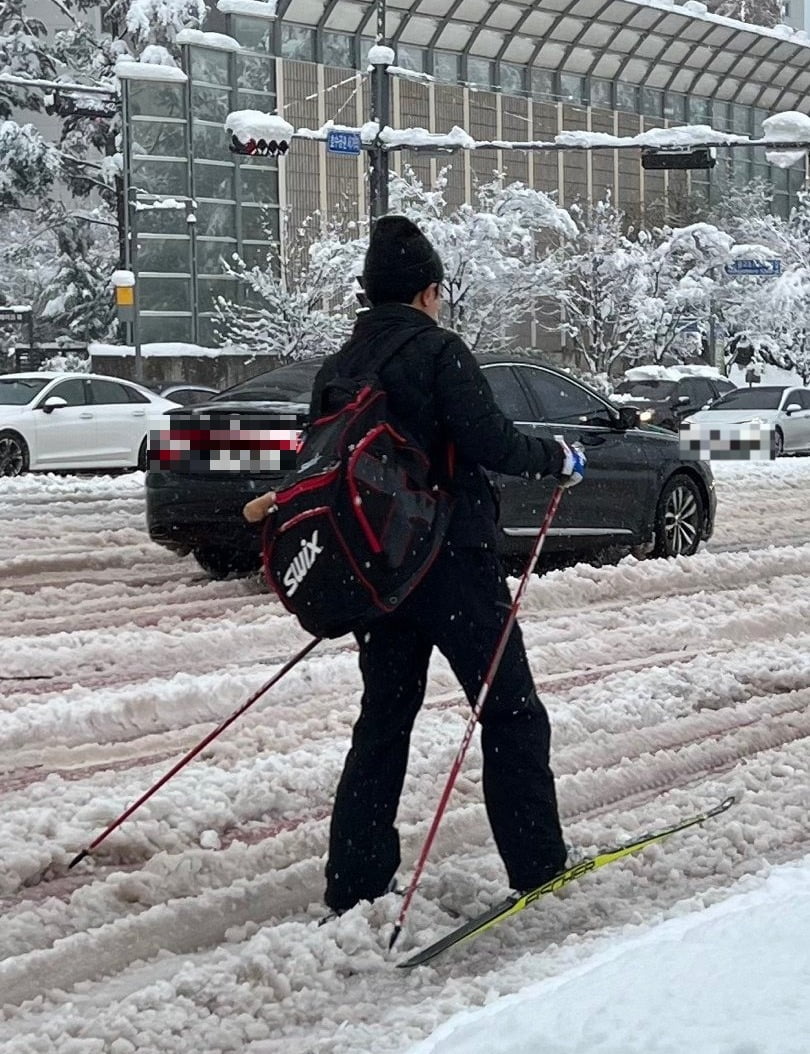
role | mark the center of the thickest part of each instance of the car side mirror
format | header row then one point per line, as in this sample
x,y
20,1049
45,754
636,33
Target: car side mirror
x,y
793,408
53,402
628,418
683,400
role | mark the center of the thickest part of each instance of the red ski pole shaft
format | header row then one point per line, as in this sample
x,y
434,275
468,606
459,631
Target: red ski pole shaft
x,y
285,669
476,712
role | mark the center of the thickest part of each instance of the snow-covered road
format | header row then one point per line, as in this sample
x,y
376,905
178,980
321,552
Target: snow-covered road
x,y
670,685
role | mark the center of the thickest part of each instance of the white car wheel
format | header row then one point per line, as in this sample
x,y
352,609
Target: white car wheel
x,y
13,454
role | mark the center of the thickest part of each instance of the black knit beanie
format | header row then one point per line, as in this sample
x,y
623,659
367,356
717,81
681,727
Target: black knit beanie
x,y
400,262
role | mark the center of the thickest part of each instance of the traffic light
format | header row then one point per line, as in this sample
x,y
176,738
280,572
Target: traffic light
x,y
678,158
259,147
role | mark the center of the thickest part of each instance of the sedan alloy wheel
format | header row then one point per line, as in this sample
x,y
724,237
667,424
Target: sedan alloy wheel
x,y
13,455
679,519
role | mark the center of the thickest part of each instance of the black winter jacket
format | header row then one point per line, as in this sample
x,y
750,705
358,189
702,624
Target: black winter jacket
x,y
437,391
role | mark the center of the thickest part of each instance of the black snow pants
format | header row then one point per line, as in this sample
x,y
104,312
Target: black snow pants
x,y
460,608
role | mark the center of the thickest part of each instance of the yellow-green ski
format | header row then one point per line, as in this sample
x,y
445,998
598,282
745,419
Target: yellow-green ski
x,y
512,905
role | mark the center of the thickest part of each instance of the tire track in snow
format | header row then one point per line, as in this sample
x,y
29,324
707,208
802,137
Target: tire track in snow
x,y
289,891
625,769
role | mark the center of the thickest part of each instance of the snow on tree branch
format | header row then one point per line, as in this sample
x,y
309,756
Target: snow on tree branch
x,y
152,21
28,164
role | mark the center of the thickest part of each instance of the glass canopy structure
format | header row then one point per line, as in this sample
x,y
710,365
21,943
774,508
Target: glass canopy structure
x,y
655,45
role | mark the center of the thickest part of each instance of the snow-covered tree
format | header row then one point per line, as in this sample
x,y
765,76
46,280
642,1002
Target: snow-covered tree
x,y
604,272
284,308
631,294
62,272
80,307
500,254
28,164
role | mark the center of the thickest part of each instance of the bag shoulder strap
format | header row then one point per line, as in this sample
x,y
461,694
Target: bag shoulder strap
x,y
398,345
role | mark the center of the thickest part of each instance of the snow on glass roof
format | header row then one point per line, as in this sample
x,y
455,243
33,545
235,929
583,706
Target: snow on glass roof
x,y
653,43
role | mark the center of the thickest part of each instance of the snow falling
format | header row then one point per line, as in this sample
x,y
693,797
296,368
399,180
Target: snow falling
x,y
670,685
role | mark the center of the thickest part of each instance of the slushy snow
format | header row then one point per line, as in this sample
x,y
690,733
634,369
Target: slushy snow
x,y
670,684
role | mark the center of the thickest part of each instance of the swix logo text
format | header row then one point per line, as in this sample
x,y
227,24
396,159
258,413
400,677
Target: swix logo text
x,y
299,568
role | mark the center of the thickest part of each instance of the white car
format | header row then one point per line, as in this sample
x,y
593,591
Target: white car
x,y
51,421
786,410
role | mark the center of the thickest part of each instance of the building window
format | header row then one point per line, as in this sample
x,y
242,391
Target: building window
x,y
253,33
209,66
445,67
479,72
721,115
626,97
411,58
366,45
674,106
544,84
741,120
700,111
512,79
572,88
601,94
338,50
652,102
297,42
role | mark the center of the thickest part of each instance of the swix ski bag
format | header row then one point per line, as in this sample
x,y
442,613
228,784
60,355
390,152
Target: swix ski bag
x,y
360,521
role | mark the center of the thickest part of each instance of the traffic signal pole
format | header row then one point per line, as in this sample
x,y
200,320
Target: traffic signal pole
x,y
381,114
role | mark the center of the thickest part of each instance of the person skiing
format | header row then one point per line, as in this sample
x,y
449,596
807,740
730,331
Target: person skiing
x,y
437,391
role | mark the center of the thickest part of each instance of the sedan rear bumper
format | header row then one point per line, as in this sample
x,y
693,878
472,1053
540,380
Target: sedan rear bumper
x,y
185,511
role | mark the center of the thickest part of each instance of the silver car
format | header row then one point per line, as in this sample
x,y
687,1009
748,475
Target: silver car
x,y
786,410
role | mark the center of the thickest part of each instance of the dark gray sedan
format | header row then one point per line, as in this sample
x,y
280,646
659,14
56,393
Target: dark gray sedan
x,y
639,493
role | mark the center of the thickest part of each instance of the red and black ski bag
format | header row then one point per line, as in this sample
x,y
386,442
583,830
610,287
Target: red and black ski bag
x,y
360,522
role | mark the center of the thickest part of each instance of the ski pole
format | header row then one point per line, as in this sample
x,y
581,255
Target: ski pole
x,y
476,712
196,750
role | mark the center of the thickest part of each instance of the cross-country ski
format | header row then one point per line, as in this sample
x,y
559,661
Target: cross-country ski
x,y
514,904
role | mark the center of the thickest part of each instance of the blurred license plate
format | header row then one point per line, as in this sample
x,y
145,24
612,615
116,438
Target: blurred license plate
x,y
226,443
750,441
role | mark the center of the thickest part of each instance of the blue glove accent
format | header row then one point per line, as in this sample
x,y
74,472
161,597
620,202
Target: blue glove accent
x,y
573,466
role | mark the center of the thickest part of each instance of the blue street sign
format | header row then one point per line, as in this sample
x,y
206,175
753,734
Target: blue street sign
x,y
763,268
344,143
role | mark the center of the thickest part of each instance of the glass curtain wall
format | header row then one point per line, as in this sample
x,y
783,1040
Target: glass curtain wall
x,y
180,147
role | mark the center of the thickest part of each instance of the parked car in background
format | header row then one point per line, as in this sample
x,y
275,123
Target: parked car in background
x,y
639,492
188,394
665,400
64,421
786,409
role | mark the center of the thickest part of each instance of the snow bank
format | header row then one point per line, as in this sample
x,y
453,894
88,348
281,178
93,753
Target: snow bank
x,y
690,978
